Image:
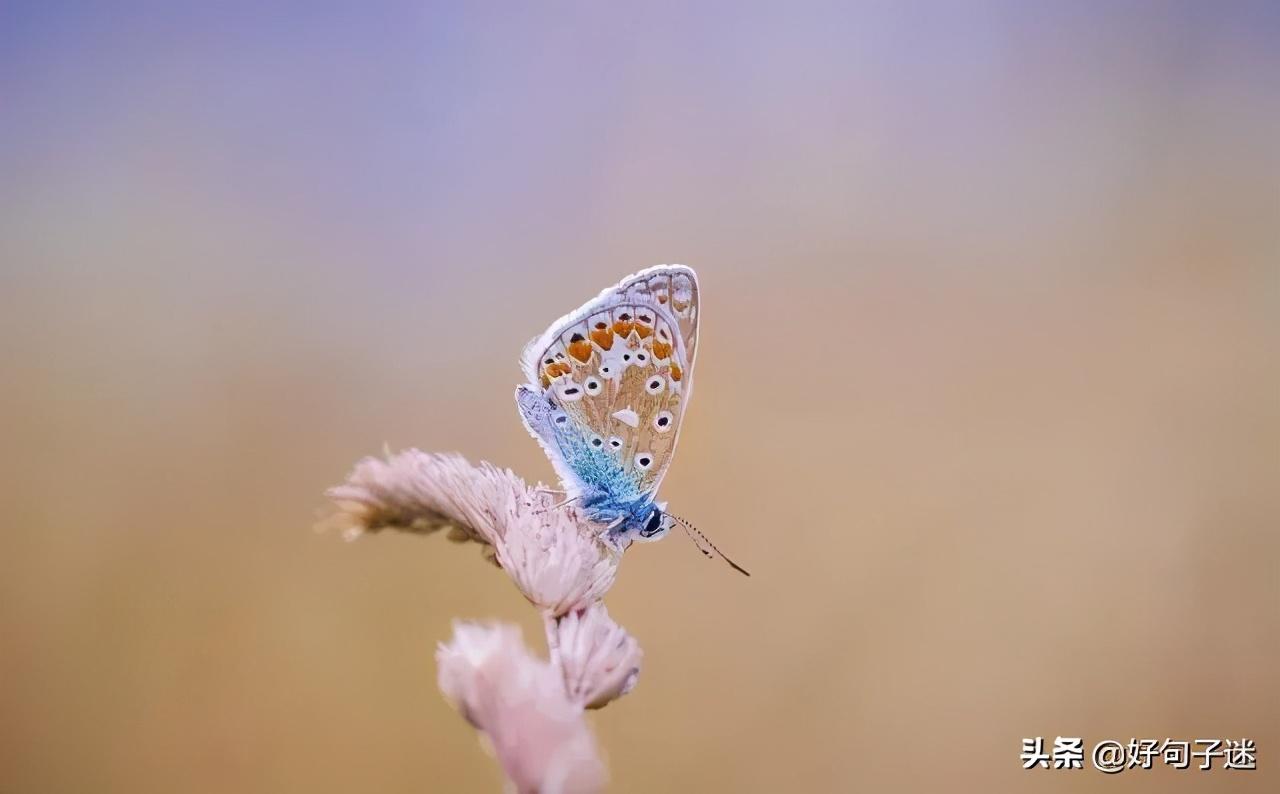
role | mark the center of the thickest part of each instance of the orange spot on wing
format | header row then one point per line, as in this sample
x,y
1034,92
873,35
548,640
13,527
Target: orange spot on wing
x,y
581,350
662,299
661,350
676,374
602,337
553,371
643,330
623,329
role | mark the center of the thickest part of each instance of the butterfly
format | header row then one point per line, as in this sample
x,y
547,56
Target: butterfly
x,y
608,387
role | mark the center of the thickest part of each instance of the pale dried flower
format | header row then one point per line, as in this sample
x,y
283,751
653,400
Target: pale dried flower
x,y
554,556
554,562
539,736
529,711
599,659
409,491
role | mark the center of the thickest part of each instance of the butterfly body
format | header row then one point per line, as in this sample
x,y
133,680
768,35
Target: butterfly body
x,y
607,388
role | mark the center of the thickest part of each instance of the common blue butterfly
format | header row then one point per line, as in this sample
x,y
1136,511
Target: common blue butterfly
x,y
607,389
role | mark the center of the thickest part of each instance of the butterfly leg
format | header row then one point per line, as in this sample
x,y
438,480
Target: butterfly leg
x,y
556,506
556,491
620,542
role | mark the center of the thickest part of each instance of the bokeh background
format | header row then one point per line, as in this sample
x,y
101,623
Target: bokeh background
x,y
988,394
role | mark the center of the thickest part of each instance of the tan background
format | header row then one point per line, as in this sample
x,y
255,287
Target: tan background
x,y
988,394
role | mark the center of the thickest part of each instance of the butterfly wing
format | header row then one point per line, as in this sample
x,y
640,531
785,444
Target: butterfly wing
x,y
609,382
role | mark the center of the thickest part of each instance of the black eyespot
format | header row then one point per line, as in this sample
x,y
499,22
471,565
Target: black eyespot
x,y
626,356
576,338
641,356
592,385
605,370
653,384
549,361
624,317
597,442
561,419
571,390
644,318
645,461
615,442
601,326
662,421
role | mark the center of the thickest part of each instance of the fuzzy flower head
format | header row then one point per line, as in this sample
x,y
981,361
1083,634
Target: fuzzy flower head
x,y
599,659
518,703
554,556
555,559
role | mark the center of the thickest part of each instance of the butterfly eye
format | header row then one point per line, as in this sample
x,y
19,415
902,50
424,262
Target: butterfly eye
x,y
592,385
643,461
615,442
654,386
662,422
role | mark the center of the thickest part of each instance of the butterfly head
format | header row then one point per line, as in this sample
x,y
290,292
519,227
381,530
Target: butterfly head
x,y
656,525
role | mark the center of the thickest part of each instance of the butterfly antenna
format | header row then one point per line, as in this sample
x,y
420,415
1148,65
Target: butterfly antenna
x,y
697,544
688,527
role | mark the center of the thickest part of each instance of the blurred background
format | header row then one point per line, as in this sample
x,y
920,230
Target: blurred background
x,y
988,389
